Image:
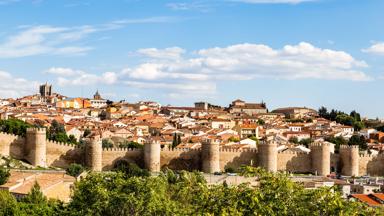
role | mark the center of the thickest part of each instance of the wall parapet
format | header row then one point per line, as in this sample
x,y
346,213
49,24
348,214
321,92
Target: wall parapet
x,y
237,150
179,149
52,142
319,145
366,155
10,135
343,147
122,149
36,130
293,153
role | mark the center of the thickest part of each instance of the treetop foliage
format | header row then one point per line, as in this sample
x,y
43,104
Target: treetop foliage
x,y
353,119
4,175
187,193
14,126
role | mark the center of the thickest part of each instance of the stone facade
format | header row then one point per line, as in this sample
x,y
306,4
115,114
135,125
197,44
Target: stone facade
x,y
94,153
321,158
268,156
152,156
210,158
36,147
349,156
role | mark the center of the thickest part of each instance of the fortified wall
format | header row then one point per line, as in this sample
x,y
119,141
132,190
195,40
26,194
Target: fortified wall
x,y
39,151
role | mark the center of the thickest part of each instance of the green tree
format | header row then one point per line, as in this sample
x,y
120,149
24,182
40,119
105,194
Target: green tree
x,y
130,169
305,142
57,133
131,144
294,139
14,126
339,140
355,115
75,169
35,196
233,139
4,175
176,140
260,121
106,143
323,112
8,204
87,132
359,141
72,139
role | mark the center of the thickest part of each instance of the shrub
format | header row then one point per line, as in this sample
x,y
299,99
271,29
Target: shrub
x,y
4,175
75,169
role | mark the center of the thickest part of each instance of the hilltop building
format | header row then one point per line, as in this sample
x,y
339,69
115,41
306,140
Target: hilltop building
x,y
45,90
98,101
238,106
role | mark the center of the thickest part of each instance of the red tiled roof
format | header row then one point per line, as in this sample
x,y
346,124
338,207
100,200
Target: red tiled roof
x,y
366,199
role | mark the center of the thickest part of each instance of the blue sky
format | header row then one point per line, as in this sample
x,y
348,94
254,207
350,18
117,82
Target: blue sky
x,y
284,52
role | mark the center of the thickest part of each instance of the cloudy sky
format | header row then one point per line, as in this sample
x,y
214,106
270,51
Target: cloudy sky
x,y
284,52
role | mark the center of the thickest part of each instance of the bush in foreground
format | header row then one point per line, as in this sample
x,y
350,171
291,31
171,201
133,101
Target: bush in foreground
x,y
187,193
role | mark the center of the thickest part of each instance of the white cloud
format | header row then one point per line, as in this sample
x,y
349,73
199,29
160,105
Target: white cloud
x,y
198,75
43,39
167,53
250,61
155,71
59,71
14,87
37,40
377,48
274,1
184,6
83,79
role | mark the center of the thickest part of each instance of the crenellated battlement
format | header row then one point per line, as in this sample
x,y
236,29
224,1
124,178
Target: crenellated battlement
x,y
36,130
122,149
319,145
178,149
39,151
95,139
344,147
288,152
366,155
10,135
237,150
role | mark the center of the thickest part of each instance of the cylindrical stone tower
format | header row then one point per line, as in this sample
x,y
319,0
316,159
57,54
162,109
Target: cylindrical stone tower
x,y
267,152
94,154
152,151
349,156
321,158
210,151
36,146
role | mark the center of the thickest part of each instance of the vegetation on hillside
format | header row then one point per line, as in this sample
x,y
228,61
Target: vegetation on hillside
x,y
353,119
354,140
57,133
14,126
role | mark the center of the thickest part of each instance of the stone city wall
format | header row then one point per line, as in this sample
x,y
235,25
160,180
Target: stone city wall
x,y
295,162
63,154
111,156
12,145
371,165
